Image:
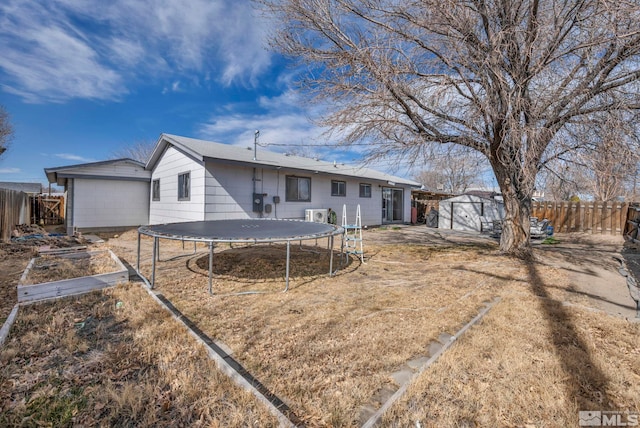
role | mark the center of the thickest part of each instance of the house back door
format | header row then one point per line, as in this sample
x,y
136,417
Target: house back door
x,y
392,205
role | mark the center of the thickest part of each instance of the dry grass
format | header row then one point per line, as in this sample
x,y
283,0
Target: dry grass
x,y
513,370
13,262
329,345
49,268
114,358
533,361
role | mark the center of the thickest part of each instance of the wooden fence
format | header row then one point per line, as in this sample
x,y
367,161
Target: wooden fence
x,y
14,210
47,209
608,218
633,221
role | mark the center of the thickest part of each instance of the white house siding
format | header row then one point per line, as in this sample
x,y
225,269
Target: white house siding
x,y
228,193
169,209
109,203
229,190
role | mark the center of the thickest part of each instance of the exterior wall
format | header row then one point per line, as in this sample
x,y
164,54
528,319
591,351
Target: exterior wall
x,y
464,212
108,203
229,191
169,209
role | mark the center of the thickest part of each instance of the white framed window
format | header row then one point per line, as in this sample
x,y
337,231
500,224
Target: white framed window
x,y
365,190
155,190
338,188
298,189
184,186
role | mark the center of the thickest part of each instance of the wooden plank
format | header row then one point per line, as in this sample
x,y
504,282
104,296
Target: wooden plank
x,y
624,210
73,286
579,217
59,251
6,327
571,216
14,209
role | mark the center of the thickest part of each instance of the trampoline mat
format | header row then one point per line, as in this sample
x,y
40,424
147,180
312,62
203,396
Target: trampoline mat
x,y
242,230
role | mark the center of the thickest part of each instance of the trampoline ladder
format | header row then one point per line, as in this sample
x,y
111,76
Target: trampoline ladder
x,y
353,234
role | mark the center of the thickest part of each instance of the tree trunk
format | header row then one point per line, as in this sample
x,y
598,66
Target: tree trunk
x,y
515,229
515,236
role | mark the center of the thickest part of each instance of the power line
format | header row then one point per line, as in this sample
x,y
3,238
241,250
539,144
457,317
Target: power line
x,y
345,147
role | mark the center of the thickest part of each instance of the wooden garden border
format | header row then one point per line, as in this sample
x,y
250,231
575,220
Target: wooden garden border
x,y
69,287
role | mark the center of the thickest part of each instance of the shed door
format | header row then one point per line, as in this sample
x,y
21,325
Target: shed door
x,y
465,216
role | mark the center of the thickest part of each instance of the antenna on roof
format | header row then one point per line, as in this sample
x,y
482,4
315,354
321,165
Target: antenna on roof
x,y
255,145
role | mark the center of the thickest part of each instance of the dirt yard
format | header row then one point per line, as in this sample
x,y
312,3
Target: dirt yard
x,y
561,338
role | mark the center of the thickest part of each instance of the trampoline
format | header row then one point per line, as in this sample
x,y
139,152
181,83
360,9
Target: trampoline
x,y
248,231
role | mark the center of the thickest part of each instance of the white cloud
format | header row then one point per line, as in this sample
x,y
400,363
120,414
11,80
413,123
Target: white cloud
x,y
72,157
51,59
10,170
284,127
54,50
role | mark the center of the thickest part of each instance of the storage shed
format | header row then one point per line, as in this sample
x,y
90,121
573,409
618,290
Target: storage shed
x,y
105,195
469,213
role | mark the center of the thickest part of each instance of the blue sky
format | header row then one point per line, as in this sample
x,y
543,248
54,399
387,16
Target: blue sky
x,y
82,79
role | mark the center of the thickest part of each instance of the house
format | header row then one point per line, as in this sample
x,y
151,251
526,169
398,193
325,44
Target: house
x,y
107,195
201,180
469,212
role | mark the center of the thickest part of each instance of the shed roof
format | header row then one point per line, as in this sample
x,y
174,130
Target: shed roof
x,y
467,198
115,169
210,151
33,188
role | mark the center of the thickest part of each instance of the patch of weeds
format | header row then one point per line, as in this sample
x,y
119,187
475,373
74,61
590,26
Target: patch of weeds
x,y
550,241
56,409
396,228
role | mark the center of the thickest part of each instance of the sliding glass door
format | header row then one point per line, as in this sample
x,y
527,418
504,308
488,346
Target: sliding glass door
x,y
392,205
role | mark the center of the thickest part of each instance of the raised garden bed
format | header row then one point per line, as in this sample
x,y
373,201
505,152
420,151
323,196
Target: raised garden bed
x,y
74,273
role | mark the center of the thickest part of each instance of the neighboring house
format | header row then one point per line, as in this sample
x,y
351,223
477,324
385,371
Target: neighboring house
x,y
201,180
469,212
105,195
28,188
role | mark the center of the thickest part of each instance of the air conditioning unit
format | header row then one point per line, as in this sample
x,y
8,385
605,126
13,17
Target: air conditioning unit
x,y
316,215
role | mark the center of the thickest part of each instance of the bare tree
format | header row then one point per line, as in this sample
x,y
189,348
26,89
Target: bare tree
x,y
559,183
140,150
607,163
603,162
452,171
6,130
502,78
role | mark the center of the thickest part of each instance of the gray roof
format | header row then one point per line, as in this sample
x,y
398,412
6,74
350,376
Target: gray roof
x,y
21,187
102,169
209,151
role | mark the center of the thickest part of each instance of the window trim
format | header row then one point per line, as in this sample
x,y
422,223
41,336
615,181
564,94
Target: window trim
x,y
155,191
188,187
344,186
286,190
362,185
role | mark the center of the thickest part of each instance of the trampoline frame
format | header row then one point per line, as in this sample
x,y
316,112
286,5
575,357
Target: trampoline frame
x,y
212,241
